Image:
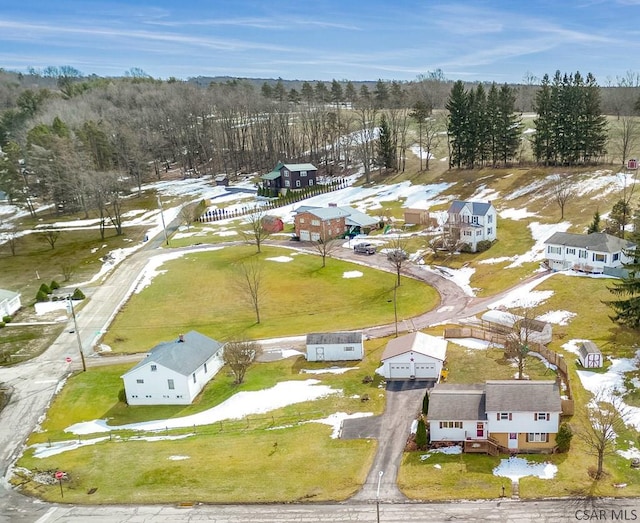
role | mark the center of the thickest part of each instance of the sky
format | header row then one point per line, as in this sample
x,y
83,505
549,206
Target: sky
x,y
488,40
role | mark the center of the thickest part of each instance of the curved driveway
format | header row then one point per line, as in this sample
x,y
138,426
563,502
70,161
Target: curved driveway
x,y
34,383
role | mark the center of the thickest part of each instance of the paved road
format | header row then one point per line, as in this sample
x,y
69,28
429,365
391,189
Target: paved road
x,y
34,383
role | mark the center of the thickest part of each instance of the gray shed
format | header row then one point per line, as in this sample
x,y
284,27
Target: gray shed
x,y
335,346
589,355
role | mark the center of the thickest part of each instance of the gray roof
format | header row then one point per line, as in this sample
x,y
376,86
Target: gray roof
x,y
318,338
448,401
523,396
183,357
298,166
477,208
588,347
596,241
352,216
7,295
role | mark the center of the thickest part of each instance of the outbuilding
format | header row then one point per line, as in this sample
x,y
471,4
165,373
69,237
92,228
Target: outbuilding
x,y
590,356
335,346
416,356
9,302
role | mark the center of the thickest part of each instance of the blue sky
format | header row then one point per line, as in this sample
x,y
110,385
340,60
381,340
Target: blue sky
x,y
488,40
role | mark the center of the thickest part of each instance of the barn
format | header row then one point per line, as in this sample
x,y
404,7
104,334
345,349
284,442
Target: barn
x,y
335,346
590,356
416,356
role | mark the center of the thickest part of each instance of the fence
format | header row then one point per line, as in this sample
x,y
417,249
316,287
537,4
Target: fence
x,y
549,355
293,197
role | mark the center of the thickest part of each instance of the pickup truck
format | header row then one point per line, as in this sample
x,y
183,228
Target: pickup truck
x,y
364,248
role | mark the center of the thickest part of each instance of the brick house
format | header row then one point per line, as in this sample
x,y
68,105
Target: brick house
x,y
315,223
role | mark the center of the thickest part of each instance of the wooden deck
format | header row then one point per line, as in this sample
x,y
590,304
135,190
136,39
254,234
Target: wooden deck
x,y
483,446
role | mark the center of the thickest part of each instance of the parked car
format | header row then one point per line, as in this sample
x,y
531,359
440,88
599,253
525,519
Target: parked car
x,y
364,248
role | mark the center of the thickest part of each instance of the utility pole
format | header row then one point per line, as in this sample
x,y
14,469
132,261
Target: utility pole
x,y
164,228
75,327
378,496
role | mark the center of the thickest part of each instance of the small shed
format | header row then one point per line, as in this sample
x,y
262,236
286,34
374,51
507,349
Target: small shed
x,y
9,303
416,356
590,356
272,224
222,179
416,216
335,346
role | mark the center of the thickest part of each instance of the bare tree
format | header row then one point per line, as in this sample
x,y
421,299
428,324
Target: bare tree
x,y
562,191
239,356
433,130
11,239
518,343
397,256
327,242
250,279
67,271
365,145
50,236
623,137
607,416
190,212
257,232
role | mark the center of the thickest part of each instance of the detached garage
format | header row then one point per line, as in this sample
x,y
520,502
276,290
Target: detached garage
x,y
335,346
416,356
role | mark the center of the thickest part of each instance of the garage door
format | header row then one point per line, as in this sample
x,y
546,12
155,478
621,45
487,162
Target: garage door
x,y
305,236
399,370
315,236
425,370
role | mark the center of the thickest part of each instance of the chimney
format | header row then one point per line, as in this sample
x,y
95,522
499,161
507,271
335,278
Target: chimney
x,y
180,338
333,205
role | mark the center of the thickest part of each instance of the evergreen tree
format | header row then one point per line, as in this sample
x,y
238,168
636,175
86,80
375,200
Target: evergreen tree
x,y
421,434
594,226
350,93
627,307
425,403
307,92
420,113
336,92
386,147
563,438
381,94
267,91
509,125
458,107
542,139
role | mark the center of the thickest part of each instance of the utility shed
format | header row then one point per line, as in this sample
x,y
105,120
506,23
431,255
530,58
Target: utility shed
x,y
335,346
589,355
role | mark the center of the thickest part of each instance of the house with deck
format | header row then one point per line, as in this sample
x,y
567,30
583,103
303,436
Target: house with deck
x,y
497,416
290,176
471,222
592,253
174,372
323,223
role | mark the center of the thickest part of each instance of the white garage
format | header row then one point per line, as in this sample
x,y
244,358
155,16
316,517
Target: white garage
x,y
415,356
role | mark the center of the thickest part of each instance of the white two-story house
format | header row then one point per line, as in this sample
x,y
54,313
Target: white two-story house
x,y
586,252
513,415
471,222
174,372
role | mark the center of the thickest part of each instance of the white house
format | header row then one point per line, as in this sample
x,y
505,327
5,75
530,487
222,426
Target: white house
x,y
586,252
590,356
335,346
174,372
532,330
9,303
472,222
515,415
414,356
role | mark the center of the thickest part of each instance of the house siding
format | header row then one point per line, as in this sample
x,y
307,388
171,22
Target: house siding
x,y
310,227
469,431
472,228
412,365
334,352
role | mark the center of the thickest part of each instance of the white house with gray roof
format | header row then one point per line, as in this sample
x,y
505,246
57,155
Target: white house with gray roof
x,y
586,252
9,303
174,372
335,346
516,415
472,222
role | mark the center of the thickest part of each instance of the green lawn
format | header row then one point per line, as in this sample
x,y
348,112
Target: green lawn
x,y
201,291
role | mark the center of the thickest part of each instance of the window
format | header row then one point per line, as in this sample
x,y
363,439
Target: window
x,y
297,183
349,349
310,182
194,377
467,233
541,416
139,381
451,424
479,232
489,218
504,416
554,250
154,368
171,385
474,219
286,174
582,253
599,257
489,230
303,173
287,183
315,222
571,250
616,256
301,220
537,437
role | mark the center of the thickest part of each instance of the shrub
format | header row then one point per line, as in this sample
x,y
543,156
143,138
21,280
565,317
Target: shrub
x,y
563,438
6,319
45,288
466,247
483,245
421,434
78,295
425,403
2,324
42,296
54,285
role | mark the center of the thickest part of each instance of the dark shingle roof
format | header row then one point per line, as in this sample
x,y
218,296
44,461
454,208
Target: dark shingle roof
x,y
477,208
448,401
317,338
522,396
183,357
596,241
